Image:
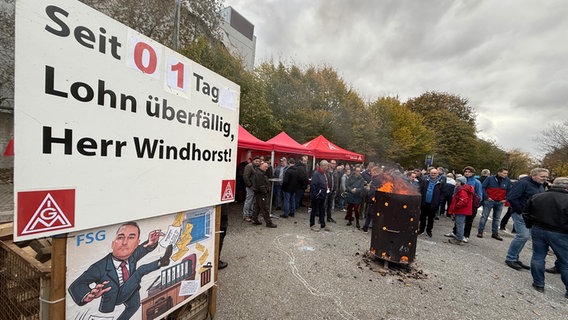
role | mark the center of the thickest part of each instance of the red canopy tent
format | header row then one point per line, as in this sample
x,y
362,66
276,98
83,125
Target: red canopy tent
x,y
283,143
247,141
324,149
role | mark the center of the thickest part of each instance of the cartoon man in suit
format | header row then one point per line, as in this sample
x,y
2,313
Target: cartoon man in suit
x,y
116,277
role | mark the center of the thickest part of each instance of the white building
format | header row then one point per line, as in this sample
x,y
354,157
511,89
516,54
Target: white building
x,y
238,36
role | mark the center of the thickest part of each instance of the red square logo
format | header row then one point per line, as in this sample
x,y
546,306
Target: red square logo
x,y
46,210
228,190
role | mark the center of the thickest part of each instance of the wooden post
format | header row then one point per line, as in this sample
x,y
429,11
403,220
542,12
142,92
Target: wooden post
x,y
213,290
58,271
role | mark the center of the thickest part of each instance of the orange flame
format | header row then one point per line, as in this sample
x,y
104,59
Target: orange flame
x,y
398,185
387,187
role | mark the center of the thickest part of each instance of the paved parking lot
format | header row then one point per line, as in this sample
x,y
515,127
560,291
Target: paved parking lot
x,y
293,273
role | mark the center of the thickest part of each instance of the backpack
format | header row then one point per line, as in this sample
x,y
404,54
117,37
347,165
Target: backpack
x,y
476,201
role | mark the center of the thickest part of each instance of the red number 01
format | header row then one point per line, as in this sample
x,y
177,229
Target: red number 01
x,y
152,58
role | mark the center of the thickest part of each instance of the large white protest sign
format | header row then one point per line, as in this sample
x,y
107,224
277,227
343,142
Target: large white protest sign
x,y
112,126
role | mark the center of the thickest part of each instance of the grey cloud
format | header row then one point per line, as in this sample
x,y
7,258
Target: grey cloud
x,y
506,57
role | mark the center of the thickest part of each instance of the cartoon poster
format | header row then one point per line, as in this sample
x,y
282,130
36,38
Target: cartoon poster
x,y
141,269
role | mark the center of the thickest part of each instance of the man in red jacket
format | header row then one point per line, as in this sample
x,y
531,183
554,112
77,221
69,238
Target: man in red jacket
x,y
495,190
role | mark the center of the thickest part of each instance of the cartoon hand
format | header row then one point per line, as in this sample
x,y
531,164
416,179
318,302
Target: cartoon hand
x,y
153,237
96,292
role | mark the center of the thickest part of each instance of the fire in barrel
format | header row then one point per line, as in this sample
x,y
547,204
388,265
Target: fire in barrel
x,y
396,217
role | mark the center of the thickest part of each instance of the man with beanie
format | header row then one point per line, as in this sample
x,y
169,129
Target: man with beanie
x,y
547,214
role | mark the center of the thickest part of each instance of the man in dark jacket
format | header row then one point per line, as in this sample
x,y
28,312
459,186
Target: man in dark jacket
x,y
547,214
431,189
293,180
247,178
261,187
279,174
355,185
319,189
376,182
495,190
333,185
518,197
301,164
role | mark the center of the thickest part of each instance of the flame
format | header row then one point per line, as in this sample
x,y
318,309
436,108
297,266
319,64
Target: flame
x,y
387,187
396,184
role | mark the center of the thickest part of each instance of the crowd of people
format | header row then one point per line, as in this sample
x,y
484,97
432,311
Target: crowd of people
x,y
538,208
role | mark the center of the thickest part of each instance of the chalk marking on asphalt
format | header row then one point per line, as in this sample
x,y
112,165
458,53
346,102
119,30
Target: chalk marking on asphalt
x,y
313,291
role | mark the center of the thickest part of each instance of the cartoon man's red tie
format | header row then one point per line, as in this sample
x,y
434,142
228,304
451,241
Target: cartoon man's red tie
x,y
124,270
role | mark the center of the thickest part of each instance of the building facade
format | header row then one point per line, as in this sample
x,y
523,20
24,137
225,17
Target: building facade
x,y
238,36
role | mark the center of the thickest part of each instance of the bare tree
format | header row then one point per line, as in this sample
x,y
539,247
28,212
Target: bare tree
x,y
554,137
554,141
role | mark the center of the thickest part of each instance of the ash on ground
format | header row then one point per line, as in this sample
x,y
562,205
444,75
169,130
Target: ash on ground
x,y
403,272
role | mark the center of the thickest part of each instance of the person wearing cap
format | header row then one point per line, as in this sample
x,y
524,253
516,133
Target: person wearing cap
x,y
547,214
279,174
521,192
461,207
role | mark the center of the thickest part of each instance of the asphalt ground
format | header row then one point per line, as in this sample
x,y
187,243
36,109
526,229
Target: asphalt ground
x,y
292,272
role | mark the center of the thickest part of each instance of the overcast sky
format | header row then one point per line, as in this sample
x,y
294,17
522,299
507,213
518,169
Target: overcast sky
x,y
509,58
